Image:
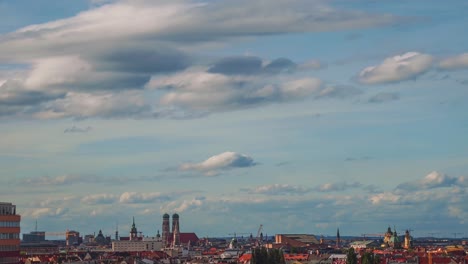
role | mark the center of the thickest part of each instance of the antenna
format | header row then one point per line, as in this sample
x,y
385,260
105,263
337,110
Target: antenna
x,y
35,229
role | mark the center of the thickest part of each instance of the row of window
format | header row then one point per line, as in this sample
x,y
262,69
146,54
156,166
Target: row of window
x,y
9,248
9,236
9,224
7,209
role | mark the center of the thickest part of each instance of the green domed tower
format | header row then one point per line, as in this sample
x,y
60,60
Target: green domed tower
x,y
165,229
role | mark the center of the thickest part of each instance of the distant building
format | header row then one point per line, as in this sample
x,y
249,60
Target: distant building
x,y
73,238
391,239
34,237
43,247
146,244
135,243
364,244
89,239
101,240
408,240
9,234
296,240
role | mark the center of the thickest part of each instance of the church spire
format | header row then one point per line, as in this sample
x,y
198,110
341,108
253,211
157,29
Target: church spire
x,y
133,231
338,239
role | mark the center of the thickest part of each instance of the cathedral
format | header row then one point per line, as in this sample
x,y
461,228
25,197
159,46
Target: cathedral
x,y
171,235
391,239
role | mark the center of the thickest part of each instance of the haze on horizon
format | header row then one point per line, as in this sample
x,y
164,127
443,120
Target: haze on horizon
x,y
303,116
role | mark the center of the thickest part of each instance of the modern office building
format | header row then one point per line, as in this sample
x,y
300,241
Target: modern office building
x,y
9,234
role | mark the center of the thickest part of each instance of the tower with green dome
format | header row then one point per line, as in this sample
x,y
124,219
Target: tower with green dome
x,y
165,229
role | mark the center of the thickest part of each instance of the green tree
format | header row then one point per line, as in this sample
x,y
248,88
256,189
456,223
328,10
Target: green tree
x,y
376,259
367,258
351,257
267,256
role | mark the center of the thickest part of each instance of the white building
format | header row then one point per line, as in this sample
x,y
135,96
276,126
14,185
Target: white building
x,y
146,244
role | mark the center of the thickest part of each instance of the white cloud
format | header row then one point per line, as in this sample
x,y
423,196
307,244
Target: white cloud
x,y
44,212
84,105
455,62
135,197
397,68
223,161
57,71
122,43
76,129
183,206
384,197
99,199
279,189
196,89
432,180
333,187
181,21
58,180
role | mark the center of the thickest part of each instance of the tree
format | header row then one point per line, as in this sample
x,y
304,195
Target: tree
x,y
367,258
264,256
351,257
376,259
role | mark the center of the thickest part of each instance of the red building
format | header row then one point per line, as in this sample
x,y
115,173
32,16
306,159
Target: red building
x,y
9,234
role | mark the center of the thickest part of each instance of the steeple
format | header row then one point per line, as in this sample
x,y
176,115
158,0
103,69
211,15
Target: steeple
x,y
133,231
338,239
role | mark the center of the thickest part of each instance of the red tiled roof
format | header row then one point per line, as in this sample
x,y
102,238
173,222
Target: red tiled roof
x,y
185,238
245,257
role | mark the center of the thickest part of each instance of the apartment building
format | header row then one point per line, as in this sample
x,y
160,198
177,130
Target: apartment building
x,y
9,234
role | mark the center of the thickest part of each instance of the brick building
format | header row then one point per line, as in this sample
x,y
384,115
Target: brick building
x,y
9,234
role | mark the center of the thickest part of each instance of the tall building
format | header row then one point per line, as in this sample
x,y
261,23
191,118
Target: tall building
x,y
165,229
338,238
9,234
175,230
133,231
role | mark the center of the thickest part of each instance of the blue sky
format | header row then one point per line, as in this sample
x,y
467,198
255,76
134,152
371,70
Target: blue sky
x,y
303,116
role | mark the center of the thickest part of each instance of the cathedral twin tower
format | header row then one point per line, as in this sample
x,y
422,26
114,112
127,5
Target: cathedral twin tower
x,y
169,237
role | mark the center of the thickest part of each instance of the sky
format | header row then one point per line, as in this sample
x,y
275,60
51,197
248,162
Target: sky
x,y
303,116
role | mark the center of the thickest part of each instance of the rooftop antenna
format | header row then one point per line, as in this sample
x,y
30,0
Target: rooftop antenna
x,y
35,229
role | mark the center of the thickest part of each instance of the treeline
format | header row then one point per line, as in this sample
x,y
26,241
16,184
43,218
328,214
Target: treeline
x,y
267,256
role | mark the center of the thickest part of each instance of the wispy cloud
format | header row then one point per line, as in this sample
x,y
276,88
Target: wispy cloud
x,y
75,129
59,180
456,62
279,189
432,180
136,197
384,97
342,186
102,198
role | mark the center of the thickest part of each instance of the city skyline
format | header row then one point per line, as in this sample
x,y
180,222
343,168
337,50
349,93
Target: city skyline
x,y
302,116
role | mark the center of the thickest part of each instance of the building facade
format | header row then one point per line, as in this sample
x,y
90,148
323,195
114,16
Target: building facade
x,y
146,244
9,234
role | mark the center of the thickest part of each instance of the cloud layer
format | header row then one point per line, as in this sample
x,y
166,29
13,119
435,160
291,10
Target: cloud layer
x,y
98,62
